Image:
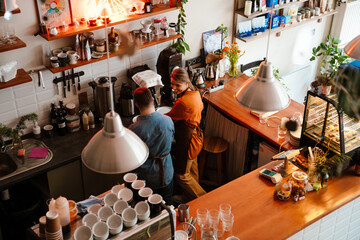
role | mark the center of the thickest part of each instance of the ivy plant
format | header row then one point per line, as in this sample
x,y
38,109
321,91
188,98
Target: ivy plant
x,y
14,133
180,45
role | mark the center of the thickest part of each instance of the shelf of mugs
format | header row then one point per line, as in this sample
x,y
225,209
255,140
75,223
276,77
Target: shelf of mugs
x,y
21,77
268,9
112,54
82,28
278,30
7,46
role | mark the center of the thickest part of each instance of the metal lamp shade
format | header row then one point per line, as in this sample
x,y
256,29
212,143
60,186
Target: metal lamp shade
x,y
114,149
352,49
263,92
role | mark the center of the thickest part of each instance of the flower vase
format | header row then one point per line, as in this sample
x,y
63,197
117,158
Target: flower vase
x,y
233,70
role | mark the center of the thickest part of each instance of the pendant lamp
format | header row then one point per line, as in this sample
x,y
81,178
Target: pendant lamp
x,y
262,92
352,49
114,149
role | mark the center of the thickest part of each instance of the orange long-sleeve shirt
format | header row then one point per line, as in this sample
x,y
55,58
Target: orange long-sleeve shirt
x,y
188,107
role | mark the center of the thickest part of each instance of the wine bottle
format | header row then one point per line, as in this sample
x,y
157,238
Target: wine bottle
x,y
62,108
61,124
53,116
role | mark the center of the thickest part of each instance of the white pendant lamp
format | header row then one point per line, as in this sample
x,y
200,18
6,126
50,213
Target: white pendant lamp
x,y
114,149
352,49
263,92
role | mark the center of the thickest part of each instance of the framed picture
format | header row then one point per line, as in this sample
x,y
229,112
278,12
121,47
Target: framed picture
x,y
211,41
54,13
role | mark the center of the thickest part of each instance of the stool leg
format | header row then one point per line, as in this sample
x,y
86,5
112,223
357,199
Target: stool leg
x,y
202,165
220,169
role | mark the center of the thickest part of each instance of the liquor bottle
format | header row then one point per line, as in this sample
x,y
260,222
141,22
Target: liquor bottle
x,y
53,116
61,124
62,108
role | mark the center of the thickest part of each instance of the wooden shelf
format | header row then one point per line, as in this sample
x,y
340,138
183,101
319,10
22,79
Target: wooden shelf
x,y
268,9
21,77
85,28
286,27
112,54
8,47
15,11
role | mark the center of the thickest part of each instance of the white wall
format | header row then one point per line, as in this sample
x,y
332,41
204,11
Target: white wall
x,y
202,15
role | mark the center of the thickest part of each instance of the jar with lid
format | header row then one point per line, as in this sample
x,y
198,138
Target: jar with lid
x,y
172,29
62,207
100,45
90,37
113,46
299,179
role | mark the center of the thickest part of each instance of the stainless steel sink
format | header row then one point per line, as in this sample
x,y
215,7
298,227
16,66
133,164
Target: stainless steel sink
x,y
11,164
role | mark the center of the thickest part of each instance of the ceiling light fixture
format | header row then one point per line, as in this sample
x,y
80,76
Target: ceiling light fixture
x,y
352,49
114,149
262,92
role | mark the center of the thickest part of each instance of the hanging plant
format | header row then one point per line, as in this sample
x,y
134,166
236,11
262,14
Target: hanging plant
x,y
180,45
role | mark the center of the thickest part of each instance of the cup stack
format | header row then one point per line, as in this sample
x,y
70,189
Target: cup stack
x,y
53,227
42,226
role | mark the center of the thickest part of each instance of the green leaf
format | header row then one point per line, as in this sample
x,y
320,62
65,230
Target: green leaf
x,y
336,41
323,46
312,58
186,46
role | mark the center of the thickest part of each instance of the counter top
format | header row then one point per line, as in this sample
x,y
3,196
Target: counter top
x,y
224,101
65,149
259,215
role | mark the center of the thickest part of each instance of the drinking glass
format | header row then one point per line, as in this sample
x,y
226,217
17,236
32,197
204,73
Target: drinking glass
x,y
214,216
225,208
227,221
262,118
207,232
202,215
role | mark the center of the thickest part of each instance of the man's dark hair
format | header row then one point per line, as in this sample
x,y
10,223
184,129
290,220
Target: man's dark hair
x,y
142,97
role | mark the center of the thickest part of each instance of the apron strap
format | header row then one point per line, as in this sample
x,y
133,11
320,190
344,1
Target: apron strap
x,y
159,160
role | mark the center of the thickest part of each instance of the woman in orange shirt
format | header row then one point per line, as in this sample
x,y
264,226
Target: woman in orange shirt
x,y
186,114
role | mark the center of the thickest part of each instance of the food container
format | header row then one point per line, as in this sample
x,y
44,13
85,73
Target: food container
x,y
100,45
114,47
283,190
299,180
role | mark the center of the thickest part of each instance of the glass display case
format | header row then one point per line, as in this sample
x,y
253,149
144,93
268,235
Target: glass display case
x,y
326,126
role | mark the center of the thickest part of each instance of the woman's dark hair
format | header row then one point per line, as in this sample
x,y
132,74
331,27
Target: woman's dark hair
x,y
142,97
180,75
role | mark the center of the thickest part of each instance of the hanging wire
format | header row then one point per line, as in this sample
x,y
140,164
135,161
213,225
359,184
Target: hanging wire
x,y
270,27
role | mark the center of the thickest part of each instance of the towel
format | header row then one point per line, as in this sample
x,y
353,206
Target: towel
x,y
83,205
38,152
147,78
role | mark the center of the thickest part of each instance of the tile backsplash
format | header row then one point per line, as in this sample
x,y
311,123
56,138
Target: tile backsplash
x,y
29,97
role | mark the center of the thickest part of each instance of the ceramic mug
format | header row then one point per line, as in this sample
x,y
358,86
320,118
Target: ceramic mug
x,y
73,56
63,59
54,62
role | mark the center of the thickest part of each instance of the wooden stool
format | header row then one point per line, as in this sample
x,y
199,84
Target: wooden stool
x,y
218,147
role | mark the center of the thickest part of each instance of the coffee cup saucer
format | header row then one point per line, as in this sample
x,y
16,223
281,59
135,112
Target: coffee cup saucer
x,y
140,12
146,31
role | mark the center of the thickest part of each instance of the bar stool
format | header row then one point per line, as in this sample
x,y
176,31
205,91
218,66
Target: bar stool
x,y
216,146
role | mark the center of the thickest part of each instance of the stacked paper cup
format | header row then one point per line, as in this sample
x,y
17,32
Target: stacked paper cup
x,y
53,227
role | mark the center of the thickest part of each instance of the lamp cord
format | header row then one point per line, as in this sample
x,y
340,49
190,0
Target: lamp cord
x,y
108,64
270,26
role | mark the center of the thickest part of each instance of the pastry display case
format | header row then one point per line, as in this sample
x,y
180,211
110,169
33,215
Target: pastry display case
x,y
328,127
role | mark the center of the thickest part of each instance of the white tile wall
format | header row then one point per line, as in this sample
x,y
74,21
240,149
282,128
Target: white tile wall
x,y
26,98
342,224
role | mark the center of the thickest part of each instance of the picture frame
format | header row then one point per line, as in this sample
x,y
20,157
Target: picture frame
x,y
211,41
54,13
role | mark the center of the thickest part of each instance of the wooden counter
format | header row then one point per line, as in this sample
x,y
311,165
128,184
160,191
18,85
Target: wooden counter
x,y
224,101
258,215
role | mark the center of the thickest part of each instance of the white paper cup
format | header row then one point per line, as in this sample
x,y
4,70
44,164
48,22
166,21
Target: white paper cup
x,y
94,209
83,233
119,206
90,219
104,213
110,199
115,224
129,217
100,231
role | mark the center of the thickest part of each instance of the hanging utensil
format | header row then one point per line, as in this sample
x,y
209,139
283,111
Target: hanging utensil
x,y
73,80
41,79
78,76
64,83
68,81
56,86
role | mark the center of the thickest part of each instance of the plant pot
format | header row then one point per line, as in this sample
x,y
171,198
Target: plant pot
x,y
326,89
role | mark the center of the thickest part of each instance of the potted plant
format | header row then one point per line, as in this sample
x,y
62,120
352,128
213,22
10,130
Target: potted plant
x,y
180,45
331,57
224,33
15,133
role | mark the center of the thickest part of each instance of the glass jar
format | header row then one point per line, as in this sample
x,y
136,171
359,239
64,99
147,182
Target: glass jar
x,y
100,45
172,29
299,179
113,46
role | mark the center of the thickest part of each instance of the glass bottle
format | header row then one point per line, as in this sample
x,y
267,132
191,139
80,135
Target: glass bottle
x,y
61,124
62,108
148,7
91,120
62,207
53,116
85,121
324,179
